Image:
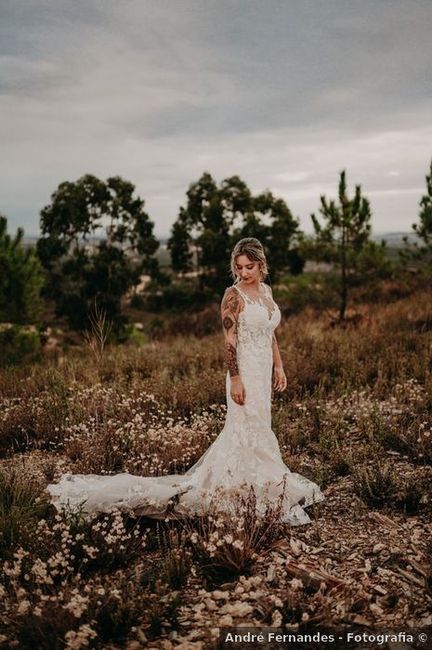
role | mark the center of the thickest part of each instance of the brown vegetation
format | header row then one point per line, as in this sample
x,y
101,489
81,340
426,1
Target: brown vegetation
x,y
356,418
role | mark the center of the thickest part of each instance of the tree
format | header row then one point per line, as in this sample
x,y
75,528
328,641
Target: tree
x,y
97,242
344,235
281,236
213,244
179,245
424,227
216,217
203,223
21,279
421,250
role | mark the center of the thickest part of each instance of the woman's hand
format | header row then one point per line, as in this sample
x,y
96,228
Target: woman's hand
x,y
238,393
280,380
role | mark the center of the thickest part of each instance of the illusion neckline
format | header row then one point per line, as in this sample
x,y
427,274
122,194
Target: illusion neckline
x,y
257,301
249,298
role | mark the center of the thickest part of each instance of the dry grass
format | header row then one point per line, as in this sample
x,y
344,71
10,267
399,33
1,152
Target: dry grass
x,y
356,418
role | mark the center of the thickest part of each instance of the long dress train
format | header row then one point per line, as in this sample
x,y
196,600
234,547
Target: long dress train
x,y
246,453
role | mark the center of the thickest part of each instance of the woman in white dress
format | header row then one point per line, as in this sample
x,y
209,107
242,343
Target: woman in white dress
x,y
246,453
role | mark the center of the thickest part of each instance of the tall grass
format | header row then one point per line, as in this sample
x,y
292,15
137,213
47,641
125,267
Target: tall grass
x,y
356,418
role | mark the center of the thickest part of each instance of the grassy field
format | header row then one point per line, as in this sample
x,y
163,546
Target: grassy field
x,y
356,418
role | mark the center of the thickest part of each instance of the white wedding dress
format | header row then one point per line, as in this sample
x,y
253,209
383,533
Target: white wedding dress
x,y
245,454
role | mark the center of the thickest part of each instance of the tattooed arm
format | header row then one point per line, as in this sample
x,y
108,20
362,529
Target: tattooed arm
x,y
230,310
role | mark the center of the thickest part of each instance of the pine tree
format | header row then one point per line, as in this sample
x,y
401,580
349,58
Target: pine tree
x,y
344,235
21,279
424,227
420,252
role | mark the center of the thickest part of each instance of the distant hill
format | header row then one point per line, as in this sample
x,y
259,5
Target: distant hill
x,y
392,238
32,239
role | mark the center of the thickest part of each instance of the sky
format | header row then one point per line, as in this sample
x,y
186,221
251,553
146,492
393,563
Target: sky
x,y
284,93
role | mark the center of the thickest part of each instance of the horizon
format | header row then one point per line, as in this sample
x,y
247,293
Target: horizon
x,y
166,237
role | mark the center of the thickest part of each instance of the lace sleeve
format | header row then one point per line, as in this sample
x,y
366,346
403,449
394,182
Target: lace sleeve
x,y
230,310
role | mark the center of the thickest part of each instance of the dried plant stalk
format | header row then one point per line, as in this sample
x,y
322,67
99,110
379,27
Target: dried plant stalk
x,y
100,328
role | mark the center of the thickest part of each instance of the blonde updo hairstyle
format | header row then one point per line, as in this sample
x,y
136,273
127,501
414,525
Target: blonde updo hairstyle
x,y
253,249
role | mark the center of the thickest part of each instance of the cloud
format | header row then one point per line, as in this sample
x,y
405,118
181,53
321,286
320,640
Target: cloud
x,y
285,94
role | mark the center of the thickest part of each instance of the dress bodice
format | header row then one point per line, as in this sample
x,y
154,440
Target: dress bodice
x,y
257,320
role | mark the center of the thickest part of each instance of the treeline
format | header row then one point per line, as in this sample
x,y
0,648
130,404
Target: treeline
x,y
97,243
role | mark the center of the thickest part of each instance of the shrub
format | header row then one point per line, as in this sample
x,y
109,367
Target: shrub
x,y
20,508
18,344
180,296
313,290
227,545
375,484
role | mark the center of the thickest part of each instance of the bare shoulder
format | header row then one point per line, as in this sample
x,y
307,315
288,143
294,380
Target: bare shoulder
x,y
269,289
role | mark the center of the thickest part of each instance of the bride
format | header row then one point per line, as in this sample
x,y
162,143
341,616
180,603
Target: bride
x,y
246,453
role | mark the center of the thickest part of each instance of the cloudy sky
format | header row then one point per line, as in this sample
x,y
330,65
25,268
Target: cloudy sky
x,y
284,93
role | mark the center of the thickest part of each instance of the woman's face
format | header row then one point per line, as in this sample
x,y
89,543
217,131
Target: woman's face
x,y
247,270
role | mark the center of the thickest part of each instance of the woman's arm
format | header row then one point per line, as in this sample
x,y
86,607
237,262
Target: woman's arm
x,y
277,359
230,309
279,379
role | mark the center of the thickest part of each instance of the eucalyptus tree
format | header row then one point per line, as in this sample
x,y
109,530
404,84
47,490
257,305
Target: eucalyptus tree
x,y
97,241
215,217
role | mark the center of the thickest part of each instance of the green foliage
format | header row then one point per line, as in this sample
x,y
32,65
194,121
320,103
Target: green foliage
x,y
180,297
19,508
80,266
18,344
379,484
216,217
344,240
421,251
424,227
372,263
376,484
280,236
21,279
179,245
137,337
308,290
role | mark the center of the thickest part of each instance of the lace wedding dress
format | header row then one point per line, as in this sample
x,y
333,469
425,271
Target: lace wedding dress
x,y
245,454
